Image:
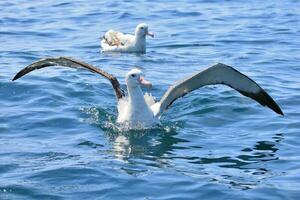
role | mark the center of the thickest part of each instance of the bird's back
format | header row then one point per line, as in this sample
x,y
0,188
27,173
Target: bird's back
x,y
114,41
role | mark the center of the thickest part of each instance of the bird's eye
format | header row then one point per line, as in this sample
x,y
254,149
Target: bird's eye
x,y
133,75
142,27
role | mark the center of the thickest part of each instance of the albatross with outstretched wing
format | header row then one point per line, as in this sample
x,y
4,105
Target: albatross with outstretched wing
x,y
141,109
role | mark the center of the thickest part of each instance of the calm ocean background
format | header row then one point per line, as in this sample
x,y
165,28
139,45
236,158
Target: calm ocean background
x,y
58,136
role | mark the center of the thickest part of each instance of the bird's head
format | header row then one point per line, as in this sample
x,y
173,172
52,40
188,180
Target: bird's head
x,y
134,78
142,30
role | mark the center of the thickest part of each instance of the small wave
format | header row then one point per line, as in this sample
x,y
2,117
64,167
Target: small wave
x,y
61,4
125,15
175,46
263,41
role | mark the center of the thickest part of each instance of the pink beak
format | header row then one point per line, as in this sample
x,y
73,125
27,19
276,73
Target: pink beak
x,y
150,34
145,83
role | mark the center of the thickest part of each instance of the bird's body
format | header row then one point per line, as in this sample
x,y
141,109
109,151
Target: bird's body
x,y
115,41
135,108
136,112
141,110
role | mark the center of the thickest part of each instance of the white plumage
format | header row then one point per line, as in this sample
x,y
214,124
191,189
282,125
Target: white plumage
x,y
114,41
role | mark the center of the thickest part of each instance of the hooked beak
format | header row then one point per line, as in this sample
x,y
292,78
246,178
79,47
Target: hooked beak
x,y
150,34
145,83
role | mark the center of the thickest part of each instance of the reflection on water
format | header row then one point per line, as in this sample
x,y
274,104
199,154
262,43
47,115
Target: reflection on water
x,y
163,147
153,145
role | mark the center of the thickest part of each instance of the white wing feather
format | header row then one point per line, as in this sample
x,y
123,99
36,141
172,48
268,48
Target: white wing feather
x,y
150,100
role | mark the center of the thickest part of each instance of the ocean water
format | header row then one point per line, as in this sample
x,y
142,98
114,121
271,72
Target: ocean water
x,y
58,136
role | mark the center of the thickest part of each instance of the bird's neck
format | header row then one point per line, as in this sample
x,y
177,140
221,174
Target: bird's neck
x,y
140,41
136,97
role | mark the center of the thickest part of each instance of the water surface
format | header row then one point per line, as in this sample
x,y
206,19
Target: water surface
x,y
58,138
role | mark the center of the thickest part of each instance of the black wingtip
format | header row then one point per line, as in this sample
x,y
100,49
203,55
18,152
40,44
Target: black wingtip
x,y
269,101
264,99
15,77
277,110
280,112
18,75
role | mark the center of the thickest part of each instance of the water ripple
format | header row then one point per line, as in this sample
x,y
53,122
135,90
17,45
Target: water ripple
x,y
58,133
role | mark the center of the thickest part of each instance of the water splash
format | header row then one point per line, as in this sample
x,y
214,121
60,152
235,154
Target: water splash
x,y
107,120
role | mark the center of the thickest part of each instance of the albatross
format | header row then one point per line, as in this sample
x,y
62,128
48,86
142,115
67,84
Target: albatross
x,y
139,109
114,41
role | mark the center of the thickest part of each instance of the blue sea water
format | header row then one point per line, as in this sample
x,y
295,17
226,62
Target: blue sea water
x,y
58,136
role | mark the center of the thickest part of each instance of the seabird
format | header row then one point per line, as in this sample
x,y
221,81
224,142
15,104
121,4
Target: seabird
x,y
114,41
141,110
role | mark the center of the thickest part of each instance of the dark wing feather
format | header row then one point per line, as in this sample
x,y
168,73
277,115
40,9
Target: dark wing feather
x,y
218,74
72,63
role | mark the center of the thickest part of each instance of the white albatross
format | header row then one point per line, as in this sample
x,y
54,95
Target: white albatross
x,y
137,109
114,41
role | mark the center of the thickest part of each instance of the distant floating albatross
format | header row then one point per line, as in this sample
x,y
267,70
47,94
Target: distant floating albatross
x,y
114,41
139,109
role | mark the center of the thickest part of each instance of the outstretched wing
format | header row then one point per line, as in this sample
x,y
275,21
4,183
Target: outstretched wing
x,y
217,74
72,63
